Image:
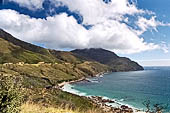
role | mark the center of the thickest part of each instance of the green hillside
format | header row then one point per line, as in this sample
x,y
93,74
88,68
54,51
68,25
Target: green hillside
x,y
40,70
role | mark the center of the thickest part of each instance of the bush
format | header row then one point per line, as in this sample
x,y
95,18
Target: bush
x,y
156,108
10,95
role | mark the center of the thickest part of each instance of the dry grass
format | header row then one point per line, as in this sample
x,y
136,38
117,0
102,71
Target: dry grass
x,y
35,108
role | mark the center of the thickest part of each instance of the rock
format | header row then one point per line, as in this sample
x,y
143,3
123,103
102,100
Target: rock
x,y
124,107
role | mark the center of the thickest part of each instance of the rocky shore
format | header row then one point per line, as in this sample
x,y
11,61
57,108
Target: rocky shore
x,y
102,102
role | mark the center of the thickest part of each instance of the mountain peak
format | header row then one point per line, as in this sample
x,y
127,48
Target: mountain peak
x,y
108,58
99,54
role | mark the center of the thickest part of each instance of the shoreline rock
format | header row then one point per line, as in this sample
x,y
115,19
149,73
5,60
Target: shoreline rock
x,y
101,102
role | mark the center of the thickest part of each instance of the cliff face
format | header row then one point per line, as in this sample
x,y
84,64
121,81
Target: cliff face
x,y
108,58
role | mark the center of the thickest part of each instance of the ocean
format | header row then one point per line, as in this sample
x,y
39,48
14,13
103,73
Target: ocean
x,y
129,88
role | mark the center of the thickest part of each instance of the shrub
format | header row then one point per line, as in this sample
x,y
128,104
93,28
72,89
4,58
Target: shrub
x,y
10,95
156,108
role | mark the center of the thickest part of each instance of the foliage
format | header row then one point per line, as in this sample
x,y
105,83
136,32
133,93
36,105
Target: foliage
x,y
56,98
39,80
10,96
156,108
29,107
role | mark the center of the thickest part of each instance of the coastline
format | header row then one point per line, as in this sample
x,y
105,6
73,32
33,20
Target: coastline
x,y
60,85
107,104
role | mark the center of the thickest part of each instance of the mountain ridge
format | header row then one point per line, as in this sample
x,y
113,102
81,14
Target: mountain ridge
x,y
15,50
108,58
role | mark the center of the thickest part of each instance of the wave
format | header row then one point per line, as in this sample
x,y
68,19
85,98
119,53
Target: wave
x,y
70,88
118,103
93,80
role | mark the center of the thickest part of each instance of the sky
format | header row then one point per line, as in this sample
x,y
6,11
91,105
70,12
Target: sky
x,y
138,29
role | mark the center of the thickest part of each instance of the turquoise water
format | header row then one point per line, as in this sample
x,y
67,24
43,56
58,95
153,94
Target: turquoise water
x,y
132,88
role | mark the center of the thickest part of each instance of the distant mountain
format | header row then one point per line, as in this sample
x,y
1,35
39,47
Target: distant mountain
x,y
108,58
14,50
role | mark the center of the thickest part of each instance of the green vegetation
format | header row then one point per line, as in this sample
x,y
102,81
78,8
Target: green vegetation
x,y
42,75
37,108
55,98
10,95
155,108
40,70
14,54
39,82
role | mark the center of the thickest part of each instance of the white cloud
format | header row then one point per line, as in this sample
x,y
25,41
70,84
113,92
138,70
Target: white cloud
x,y
96,11
165,47
63,31
117,36
30,4
145,24
59,31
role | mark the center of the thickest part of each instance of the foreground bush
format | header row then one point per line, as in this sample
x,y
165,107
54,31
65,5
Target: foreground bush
x,y
10,96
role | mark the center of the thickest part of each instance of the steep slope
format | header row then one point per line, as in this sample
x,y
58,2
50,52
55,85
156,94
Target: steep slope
x,y
108,58
13,50
10,53
27,46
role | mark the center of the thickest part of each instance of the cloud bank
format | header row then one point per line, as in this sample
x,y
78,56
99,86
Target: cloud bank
x,y
62,31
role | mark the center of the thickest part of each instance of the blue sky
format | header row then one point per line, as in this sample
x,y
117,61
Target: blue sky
x,y
138,29
161,9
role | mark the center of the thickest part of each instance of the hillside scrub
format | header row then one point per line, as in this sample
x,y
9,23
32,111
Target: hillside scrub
x,y
10,96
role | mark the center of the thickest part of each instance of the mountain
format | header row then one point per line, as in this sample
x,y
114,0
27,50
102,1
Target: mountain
x,y
108,58
43,70
14,50
40,81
